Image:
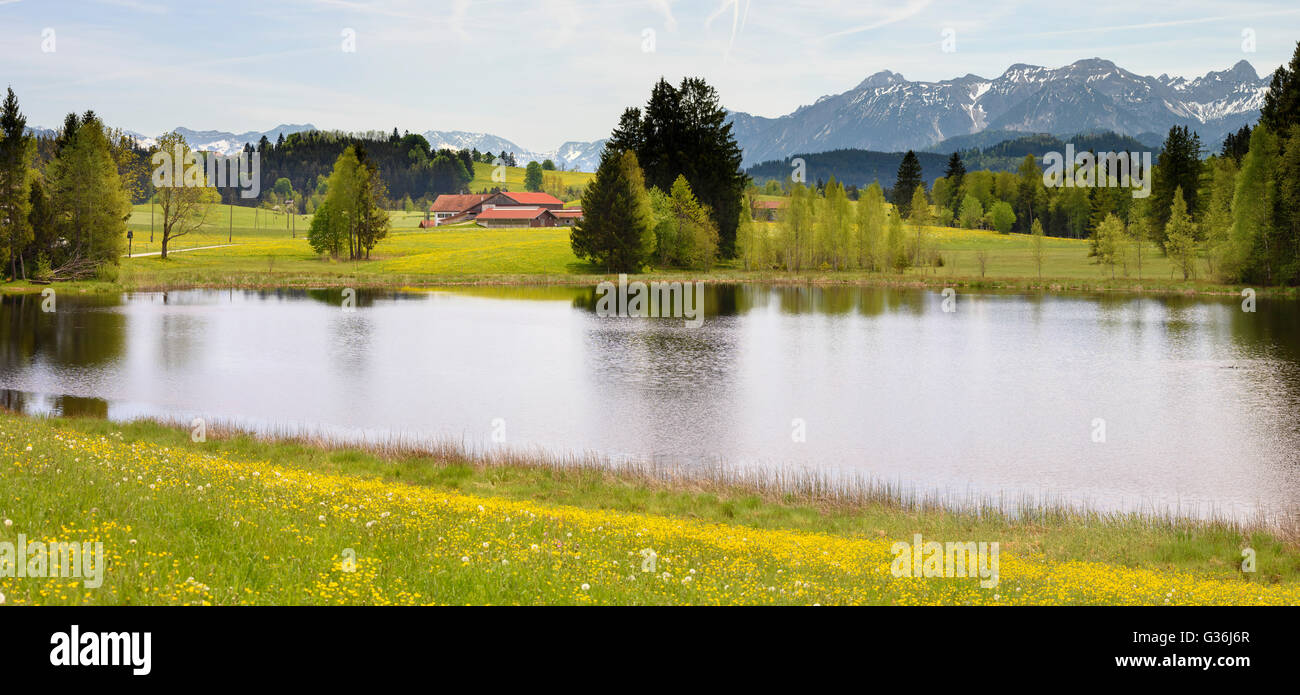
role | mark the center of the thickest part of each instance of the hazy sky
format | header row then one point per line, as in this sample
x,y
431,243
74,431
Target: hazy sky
x,y
540,72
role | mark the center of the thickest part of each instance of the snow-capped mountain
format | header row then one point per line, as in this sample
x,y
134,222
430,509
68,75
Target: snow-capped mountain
x,y
889,113
573,155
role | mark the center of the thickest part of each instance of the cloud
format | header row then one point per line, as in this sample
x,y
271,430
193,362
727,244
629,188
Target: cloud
x,y
907,11
670,23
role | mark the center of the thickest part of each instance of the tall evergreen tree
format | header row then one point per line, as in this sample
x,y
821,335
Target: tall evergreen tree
x,y
16,150
1286,221
909,177
1281,106
91,206
1180,167
1236,144
617,229
627,134
954,172
683,131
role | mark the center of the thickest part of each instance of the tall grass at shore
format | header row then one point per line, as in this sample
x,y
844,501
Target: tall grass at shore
x,y
244,521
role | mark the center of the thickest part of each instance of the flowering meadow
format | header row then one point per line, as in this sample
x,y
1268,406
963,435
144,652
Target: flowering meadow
x,y
185,525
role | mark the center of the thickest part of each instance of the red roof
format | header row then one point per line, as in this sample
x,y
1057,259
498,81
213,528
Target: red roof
x,y
533,198
511,213
568,212
769,204
457,203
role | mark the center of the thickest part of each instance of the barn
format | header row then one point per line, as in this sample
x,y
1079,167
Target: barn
x,y
516,217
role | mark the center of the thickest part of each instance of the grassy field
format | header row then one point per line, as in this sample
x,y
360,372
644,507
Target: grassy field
x,y
259,249
515,178
237,520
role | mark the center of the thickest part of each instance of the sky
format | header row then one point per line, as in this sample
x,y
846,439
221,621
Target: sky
x,y
541,72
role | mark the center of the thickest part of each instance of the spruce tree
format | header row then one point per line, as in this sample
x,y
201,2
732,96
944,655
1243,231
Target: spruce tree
x,y
617,229
954,172
1179,167
16,150
909,177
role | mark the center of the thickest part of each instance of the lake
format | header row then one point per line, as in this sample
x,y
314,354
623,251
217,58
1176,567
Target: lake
x,y
1113,402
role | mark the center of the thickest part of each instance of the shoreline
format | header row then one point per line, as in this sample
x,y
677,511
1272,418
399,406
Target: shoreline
x,y
844,493
1056,286
437,528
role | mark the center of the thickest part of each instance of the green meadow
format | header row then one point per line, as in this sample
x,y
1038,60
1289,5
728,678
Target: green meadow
x,y
239,520
247,247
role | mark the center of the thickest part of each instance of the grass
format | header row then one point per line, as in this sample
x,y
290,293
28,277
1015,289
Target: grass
x,y
265,253
242,520
515,178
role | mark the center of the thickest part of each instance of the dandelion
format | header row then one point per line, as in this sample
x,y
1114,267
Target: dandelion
x,y
9,522
586,587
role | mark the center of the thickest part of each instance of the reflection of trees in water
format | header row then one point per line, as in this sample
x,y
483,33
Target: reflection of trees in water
x,y
81,331
737,300
75,406
70,406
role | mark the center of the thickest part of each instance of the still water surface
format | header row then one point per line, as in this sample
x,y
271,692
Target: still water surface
x,y
1004,397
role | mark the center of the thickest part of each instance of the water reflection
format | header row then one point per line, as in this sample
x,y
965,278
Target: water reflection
x,y
998,397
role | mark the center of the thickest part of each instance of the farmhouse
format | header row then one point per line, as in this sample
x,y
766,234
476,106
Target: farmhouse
x,y
767,210
516,217
455,208
506,199
451,209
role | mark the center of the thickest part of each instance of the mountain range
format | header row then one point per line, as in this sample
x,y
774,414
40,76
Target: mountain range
x,y
889,113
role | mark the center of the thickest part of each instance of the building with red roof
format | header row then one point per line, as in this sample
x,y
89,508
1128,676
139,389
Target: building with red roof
x,y
447,207
516,217
532,200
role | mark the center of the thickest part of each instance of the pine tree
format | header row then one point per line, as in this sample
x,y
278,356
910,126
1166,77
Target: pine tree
x,y
16,151
909,177
627,134
955,172
1179,167
617,230
1281,107
1030,191
684,131
1287,210
91,205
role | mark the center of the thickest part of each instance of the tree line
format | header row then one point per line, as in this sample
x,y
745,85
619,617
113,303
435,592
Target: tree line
x,y
1236,214
64,201
669,190
411,168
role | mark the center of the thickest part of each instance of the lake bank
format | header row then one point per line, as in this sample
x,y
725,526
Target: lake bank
x,y
263,280
236,519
